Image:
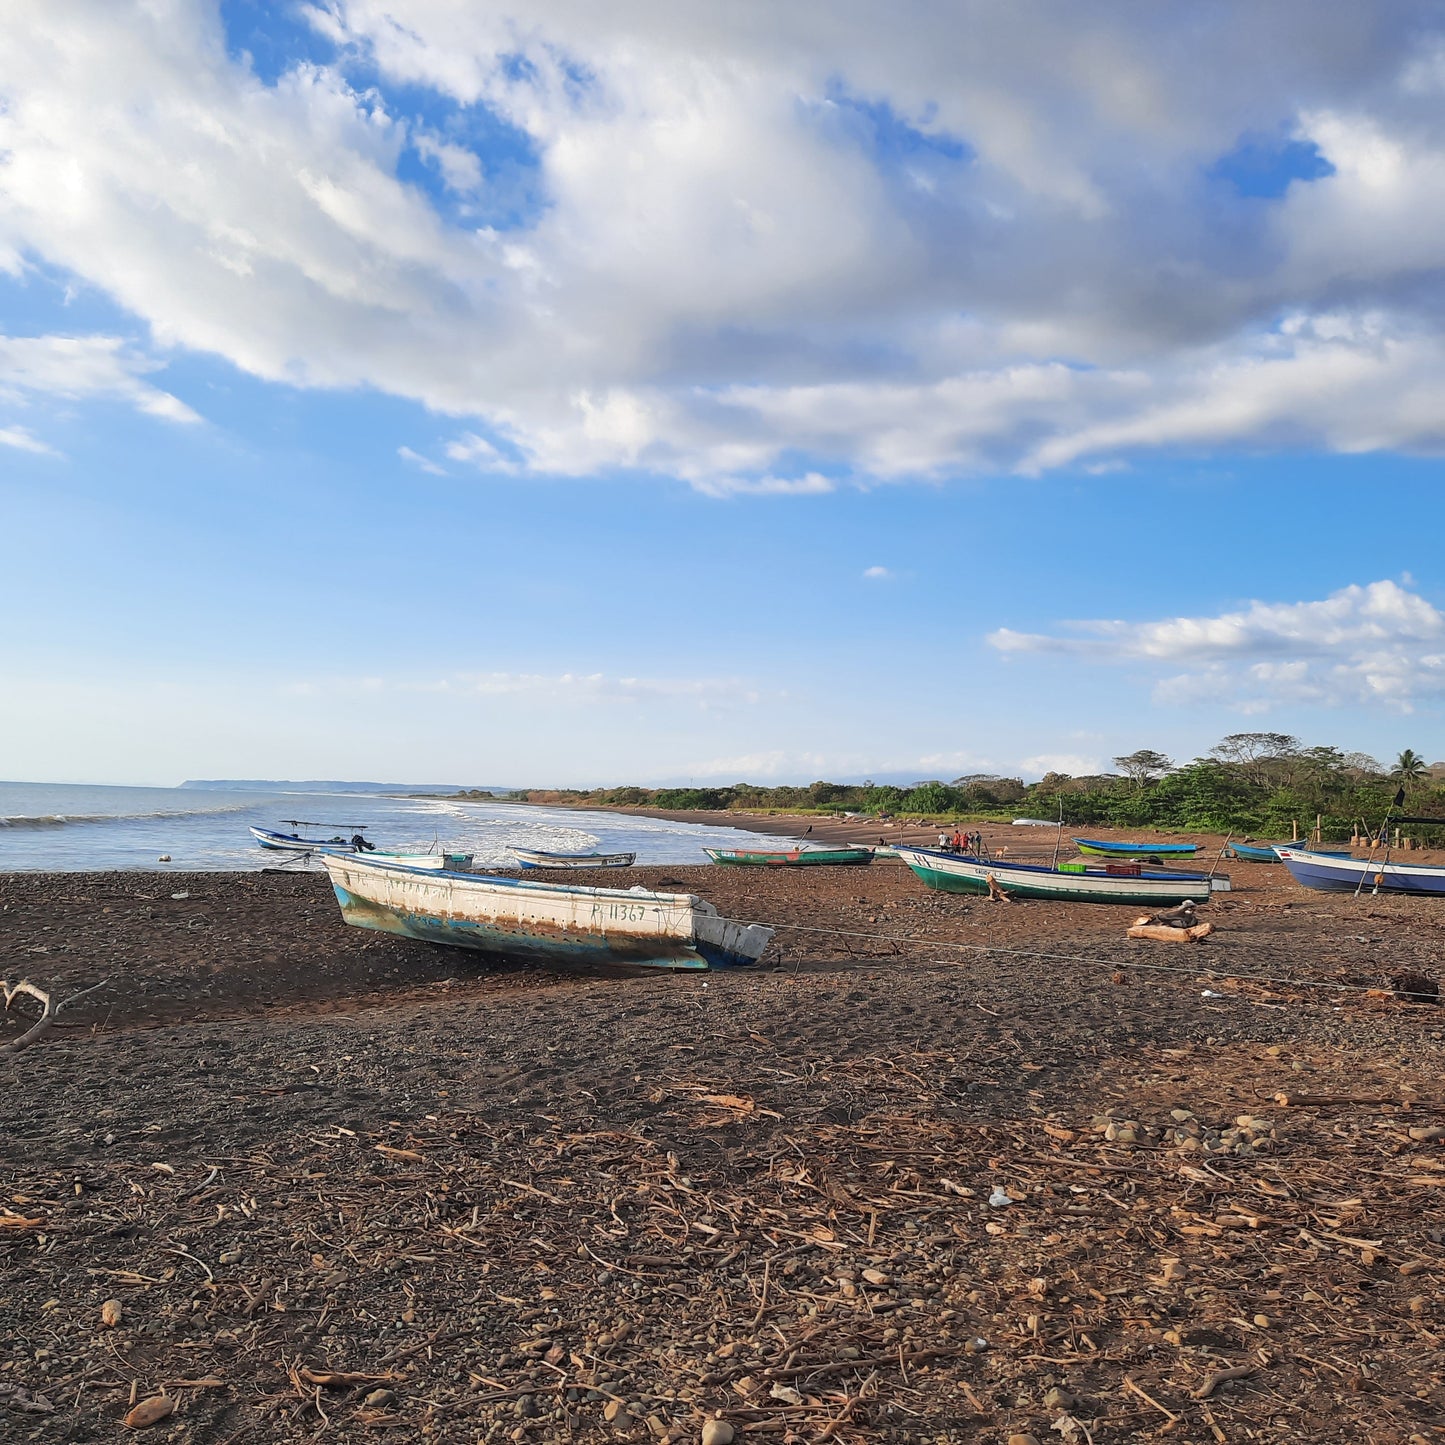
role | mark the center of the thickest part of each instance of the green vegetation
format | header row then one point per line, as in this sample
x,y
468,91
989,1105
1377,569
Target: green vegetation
x,y
1256,783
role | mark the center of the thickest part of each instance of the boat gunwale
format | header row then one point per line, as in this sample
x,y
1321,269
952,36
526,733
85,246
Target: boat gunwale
x,y
999,863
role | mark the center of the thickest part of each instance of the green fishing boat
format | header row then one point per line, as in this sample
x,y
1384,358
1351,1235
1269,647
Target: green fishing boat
x,y
1097,848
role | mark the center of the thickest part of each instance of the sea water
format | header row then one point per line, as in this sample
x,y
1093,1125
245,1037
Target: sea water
x,y
70,826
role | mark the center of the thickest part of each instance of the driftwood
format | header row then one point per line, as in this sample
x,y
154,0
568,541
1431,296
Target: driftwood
x,y
48,1010
1161,933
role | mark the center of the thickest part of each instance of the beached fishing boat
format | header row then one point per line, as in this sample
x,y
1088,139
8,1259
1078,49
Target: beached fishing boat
x,y
548,922
1269,852
1098,848
1333,873
533,858
790,857
1076,883
291,843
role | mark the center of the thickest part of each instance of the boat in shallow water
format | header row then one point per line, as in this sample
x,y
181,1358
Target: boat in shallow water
x,y
546,922
1098,848
533,858
1332,873
790,857
962,873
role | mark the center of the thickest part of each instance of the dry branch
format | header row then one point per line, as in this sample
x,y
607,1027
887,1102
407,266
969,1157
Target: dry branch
x,y
49,1010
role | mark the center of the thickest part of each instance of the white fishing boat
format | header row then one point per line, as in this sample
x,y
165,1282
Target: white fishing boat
x,y
292,843
535,858
548,922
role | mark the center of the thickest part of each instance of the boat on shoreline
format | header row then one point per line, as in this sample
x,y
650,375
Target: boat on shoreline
x,y
1097,847
535,858
1333,873
790,857
291,843
1269,852
545,922
961,873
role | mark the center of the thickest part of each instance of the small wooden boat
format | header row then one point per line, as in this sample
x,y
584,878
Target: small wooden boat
x,y
533,858
1333,873
790,857
1269,852
1099,849
291,843
961,873
548,922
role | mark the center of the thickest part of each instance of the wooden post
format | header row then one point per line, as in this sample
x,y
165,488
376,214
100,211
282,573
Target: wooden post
x,y
1294,830
1319,829
1397,837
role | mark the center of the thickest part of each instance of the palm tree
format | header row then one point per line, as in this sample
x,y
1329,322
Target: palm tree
x,y
1409,767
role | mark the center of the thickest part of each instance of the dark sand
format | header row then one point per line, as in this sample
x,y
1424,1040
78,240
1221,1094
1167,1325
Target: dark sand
x,y
313,1164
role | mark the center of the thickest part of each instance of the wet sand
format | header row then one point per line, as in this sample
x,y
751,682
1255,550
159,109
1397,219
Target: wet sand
x,y
342,1184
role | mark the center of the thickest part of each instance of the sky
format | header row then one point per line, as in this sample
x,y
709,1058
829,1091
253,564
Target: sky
x,y
563,394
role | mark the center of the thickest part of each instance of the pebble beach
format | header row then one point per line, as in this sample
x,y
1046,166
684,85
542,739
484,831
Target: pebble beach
x,y
942,1169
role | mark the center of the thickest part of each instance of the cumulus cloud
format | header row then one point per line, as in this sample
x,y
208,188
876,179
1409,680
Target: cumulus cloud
x,y
421,462
763,249
878,574
1378,643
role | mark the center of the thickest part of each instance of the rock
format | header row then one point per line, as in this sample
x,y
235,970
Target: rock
x,y
1057,1399
787,1394
876,1276
614,1410
379,1399
150,1412
1023,1440
1181,1116
657,1426
717,1432
110,1313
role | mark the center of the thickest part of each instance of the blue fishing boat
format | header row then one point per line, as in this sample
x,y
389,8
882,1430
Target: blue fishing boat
x,y
1101,849
1269,852
1332,873
554,923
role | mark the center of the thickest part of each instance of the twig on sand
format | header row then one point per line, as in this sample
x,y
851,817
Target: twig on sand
x,y
49,1010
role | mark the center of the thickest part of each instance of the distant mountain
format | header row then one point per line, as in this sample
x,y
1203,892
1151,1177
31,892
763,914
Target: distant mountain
x,y
278,785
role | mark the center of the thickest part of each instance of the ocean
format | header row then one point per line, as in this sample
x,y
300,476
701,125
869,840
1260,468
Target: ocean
x,y
65,827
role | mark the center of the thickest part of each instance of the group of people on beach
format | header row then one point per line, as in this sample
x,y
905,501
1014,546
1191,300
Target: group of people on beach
x,y
960,842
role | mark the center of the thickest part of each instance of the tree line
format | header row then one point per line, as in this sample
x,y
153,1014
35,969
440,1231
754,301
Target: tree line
x,y
1257,783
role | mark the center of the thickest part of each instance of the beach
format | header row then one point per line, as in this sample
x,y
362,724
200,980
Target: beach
x,y
344,1184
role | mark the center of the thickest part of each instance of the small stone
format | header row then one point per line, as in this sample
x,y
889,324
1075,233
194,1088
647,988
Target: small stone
x,y
110,1313
379,1399
1181,1116
1057,1399
657,1426
876,1276
150,1412
1262,1321
717,1432
614,1409
1023,1440
231,1256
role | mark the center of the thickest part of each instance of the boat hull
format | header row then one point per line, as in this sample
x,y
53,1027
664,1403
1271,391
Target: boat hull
x,y
531,858
789,858
548,923
1098,849
290,843
1332,874
957,873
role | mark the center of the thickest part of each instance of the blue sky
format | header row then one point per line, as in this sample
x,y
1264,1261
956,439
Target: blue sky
x,y
523,394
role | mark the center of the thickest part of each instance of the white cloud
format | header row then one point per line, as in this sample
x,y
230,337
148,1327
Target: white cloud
x,y
418,460
1076,765
77,367
22,440
878,574
1378,643
767,249
573,688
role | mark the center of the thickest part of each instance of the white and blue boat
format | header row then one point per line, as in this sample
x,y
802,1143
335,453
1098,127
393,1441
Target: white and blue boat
x,y
535,858
1333,874
291,843
550,923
